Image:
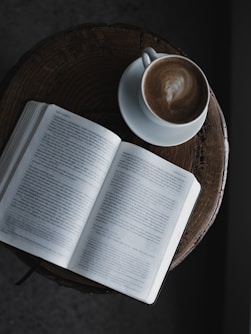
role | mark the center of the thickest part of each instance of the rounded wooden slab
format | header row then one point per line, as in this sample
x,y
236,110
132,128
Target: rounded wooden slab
x,y
79,70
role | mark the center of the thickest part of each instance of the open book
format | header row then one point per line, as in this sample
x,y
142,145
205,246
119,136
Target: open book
x,y
74,194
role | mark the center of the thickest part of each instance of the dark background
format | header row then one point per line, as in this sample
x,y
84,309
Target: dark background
x,y
209,291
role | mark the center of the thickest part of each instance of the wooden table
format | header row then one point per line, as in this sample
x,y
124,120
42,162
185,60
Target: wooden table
x,y
80,69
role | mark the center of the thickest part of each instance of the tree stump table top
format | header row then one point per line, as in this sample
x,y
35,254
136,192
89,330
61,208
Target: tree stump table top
x,y
79,70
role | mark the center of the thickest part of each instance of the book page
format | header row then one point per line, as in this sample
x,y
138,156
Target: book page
x,y
18,142
127,235
56,183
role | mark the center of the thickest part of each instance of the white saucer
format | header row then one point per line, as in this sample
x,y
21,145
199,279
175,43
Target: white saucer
x,y
136,119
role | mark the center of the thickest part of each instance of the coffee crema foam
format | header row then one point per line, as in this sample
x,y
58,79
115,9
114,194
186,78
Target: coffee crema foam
x,y
175,90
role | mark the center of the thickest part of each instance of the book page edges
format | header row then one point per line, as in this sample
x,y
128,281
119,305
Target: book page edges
x,y
188,207
19,141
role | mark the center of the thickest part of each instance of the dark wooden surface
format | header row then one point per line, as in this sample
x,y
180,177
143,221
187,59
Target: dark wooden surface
x,y
79,70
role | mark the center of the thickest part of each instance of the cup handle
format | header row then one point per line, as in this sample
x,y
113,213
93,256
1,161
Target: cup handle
x,y
148,55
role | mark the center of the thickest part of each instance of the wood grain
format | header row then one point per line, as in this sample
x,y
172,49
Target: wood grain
x,y
79,70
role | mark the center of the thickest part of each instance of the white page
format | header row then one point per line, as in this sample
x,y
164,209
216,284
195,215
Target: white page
x,y
52,192
126,236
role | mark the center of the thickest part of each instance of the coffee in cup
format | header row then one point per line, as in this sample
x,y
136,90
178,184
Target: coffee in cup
x,y
174,90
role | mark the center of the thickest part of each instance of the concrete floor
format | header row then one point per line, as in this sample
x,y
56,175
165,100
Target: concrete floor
x,y
191,298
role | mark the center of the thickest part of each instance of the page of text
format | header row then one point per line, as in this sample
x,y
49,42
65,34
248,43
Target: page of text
x,y
57,182
126,236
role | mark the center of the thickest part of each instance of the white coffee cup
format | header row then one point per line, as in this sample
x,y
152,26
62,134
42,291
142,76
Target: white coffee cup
x,y
174,91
